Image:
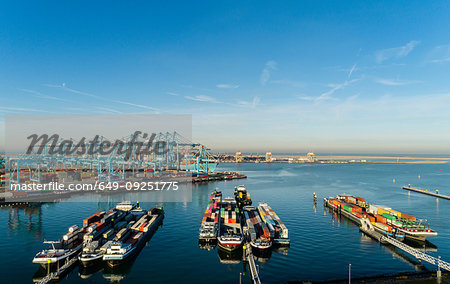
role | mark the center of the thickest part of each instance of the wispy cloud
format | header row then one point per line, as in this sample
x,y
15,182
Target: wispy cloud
x,y
203,98
65,88
306,98
334,88
440,54
351,71
394,82
136,105
395,52
173,94
109,110
42,96
20,109
256,100
291,83
227,86
266,73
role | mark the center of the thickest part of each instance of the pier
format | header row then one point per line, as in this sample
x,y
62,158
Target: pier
x,y
427,192
418,254
251,263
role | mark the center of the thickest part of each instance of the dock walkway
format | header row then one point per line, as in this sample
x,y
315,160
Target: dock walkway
x,y
426,192
418,254
251,263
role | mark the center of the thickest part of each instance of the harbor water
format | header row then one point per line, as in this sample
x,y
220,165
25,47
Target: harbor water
x,y
322,244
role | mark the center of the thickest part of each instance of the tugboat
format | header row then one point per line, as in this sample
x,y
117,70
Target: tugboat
x,y
242,196
230,232
128,243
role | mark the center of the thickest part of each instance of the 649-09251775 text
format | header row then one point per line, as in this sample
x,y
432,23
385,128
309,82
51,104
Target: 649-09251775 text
x,y
100,186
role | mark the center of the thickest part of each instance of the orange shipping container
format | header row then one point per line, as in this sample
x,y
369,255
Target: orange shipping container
x,y
380,219
409,217
360,199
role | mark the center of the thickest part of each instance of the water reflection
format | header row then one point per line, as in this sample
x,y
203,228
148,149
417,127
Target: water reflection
x,y
262,256
207,245
25,218
229,257
87,272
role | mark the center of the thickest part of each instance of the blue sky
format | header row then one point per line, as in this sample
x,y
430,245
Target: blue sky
x,y
289,76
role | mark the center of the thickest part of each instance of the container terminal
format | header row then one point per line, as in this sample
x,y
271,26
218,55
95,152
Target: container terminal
x,y
114,237
182,162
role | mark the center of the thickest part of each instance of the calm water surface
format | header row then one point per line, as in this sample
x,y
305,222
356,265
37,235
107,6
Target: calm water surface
x,y
321,248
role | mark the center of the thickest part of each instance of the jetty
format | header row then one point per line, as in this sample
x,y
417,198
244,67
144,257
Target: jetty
x,y
251,263
423,191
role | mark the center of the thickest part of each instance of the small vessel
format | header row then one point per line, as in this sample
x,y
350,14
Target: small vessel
x,y
210,222
129,241
278,231
61,251
257,231
242,196
230,231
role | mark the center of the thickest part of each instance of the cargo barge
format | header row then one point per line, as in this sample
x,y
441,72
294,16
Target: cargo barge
x,y
257,231
129,241
278,231
210,222
230,230
385,220
94,241
354,208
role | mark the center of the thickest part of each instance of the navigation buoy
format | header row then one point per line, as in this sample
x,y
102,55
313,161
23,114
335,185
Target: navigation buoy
x,y
393,181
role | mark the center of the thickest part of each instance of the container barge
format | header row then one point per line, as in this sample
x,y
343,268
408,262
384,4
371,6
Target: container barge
x,y
128,242
230,232
210,222
257,231
385,220
95,242
242,196
278,231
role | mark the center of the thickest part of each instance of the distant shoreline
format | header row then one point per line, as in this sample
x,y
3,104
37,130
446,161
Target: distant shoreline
x,y
331,159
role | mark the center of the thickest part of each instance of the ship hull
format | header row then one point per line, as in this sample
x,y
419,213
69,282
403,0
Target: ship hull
x,y
230,245
91,260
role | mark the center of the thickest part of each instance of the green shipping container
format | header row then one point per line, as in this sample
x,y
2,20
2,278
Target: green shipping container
x,y
347,208
387,216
